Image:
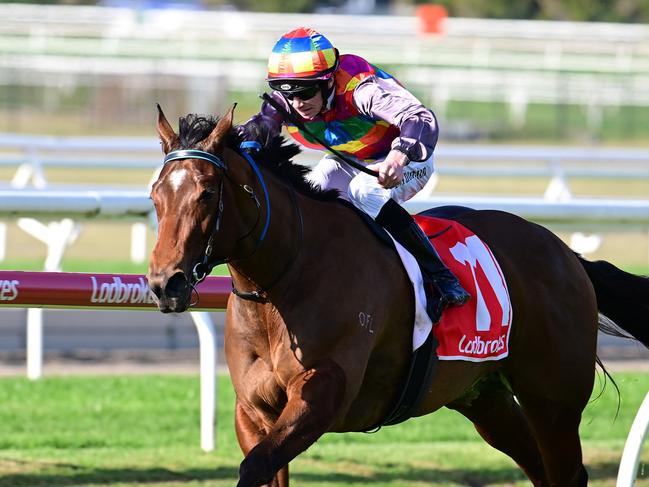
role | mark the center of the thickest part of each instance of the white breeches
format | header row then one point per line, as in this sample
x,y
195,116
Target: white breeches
x,y
363,190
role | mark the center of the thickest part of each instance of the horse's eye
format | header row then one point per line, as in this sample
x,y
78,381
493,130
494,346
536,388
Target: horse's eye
x,y
206,194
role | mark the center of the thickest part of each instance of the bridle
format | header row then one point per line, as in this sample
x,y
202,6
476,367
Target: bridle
x,y
204,267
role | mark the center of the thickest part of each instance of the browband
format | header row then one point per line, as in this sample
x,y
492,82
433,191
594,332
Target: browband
x,y
194,154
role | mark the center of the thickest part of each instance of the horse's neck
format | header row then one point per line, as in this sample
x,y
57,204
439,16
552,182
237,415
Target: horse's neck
x,y
307,239
274,258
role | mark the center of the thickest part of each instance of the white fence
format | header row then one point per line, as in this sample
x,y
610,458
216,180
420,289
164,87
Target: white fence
x,y
393,39
129,205
32,156
631,455
595,65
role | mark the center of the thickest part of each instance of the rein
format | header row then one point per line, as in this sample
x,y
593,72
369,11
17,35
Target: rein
x,y
290,116
260,295
203,268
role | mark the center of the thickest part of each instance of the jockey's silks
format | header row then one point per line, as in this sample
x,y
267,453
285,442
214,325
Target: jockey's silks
x,y
343,127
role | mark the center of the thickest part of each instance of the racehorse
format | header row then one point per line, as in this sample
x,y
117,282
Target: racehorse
x,y
305,266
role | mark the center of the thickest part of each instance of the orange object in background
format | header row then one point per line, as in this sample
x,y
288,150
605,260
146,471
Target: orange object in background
x,y
432,18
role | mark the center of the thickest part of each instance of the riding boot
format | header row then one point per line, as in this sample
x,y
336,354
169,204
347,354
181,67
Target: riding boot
x,y
396,220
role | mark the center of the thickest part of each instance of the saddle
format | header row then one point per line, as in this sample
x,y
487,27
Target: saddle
x,y
477,331
424,357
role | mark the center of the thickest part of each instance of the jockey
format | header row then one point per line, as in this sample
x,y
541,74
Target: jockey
x,y
363,112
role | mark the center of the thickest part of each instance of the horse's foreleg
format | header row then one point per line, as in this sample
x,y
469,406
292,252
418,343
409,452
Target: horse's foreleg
x,y
249,434
313,399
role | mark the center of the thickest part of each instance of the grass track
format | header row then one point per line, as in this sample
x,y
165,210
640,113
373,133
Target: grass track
x,y
127,431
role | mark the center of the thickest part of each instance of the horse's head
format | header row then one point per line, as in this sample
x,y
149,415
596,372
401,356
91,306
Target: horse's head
x,y
212,201
188,198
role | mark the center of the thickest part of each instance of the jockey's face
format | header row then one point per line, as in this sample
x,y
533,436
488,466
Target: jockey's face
x,y
312,106
308,109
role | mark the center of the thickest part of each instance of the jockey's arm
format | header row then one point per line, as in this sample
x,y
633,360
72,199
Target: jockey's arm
x,y
389,101
265,125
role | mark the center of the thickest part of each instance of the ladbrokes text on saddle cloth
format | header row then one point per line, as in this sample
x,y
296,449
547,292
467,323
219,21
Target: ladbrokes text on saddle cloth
x,y
479,330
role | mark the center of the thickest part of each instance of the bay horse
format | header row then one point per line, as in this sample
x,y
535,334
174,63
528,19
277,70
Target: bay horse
x,y
304,266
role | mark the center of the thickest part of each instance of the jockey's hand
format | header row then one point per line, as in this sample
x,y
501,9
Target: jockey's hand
x,y
391,169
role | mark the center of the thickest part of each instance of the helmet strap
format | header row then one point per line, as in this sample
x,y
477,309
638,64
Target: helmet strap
x,y
325,92
325,89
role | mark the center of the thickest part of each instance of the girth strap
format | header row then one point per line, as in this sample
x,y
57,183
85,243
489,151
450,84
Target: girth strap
x,y
420,374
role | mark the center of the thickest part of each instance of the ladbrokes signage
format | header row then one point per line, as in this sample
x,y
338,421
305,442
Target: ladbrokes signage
x,y
81,290
9,289
116,291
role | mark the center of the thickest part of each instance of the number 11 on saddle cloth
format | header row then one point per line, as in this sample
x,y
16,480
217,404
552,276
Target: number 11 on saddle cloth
x,y
478,330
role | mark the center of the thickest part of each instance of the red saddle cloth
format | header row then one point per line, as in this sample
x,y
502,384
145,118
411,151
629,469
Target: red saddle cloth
x,y
478,330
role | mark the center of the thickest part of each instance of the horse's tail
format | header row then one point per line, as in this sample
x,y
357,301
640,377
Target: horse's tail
x,y
622,297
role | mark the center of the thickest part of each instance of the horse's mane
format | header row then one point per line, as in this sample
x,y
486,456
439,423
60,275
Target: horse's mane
x,y
275,154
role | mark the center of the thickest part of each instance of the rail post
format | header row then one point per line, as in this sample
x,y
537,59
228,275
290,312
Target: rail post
x,y
37,290
633,446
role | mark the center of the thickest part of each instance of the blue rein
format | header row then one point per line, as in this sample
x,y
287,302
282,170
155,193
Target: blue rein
x,y
246,147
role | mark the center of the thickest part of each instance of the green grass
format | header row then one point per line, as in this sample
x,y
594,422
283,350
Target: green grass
x,y
543,123
96,266
127,267
551,124
535,187
126,431
74,265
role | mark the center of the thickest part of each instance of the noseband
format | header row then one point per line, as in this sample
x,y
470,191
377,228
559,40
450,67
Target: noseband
x,y
202,269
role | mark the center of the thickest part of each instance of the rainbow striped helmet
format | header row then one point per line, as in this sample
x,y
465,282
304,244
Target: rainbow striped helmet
x,y
302,53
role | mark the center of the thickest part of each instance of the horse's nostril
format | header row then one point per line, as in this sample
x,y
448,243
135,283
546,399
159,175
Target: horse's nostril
x,y
177,285
156,289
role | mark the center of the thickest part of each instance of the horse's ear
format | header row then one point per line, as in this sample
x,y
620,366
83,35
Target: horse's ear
x,y
167,135
220,131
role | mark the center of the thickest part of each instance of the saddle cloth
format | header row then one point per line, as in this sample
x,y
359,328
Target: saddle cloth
x,y
479,330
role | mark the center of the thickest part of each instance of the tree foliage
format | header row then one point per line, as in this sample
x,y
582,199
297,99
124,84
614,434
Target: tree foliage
x,y
574,10
635,11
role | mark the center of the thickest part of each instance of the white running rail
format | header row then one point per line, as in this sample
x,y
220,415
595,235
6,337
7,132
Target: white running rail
x,y
631,456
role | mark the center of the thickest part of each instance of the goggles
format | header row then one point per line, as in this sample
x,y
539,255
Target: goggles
x,y
291,89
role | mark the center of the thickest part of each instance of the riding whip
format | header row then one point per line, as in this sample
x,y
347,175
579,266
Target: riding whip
x,y
294,120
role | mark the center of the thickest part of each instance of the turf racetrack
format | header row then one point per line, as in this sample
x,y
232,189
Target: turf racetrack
x,y
144,430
